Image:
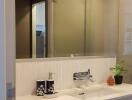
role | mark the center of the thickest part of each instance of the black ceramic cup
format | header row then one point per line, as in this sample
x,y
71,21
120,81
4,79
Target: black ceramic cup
x,y
49,87
40,88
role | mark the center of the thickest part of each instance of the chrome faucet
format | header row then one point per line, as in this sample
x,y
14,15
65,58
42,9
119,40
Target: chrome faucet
x,y
83,76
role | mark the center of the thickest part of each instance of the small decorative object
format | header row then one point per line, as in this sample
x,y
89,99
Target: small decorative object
x,y
118,71
40,88
111,81
50,84
49,87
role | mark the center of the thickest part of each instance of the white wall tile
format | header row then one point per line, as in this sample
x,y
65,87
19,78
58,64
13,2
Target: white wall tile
x,y
28,72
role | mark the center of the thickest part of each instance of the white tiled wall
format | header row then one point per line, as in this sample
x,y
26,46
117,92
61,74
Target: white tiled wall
x,y
27,72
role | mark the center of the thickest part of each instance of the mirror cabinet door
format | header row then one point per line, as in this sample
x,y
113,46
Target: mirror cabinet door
x,y
101,27
64,28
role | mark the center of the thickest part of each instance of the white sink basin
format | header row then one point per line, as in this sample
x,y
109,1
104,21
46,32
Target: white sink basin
x,y
91,92
85,93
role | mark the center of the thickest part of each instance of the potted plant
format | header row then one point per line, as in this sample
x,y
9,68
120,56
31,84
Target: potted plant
x,y
118,70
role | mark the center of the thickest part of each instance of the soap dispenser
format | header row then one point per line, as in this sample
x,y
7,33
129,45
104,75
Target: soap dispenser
x,y
50,84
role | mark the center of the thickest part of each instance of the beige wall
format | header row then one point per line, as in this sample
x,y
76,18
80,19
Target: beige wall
x,y
31,70
111,25
68,27
124,29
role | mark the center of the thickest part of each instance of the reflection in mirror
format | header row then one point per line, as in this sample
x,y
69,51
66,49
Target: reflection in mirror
x,y
101,27
64,28
39,30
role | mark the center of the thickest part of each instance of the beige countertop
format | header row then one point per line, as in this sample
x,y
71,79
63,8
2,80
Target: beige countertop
x,y
122,91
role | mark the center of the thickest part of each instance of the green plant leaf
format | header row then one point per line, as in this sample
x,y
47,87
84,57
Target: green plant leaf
x,y
118,69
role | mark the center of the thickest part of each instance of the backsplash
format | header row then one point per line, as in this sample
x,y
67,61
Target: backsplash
x,y
27,72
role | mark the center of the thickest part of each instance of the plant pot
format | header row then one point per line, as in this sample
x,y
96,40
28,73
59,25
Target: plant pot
x,y
118,79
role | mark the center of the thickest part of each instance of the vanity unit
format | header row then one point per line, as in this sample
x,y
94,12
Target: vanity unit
x,y
70,30
93,92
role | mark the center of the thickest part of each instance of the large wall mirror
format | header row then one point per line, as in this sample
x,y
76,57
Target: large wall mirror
x,y
64,28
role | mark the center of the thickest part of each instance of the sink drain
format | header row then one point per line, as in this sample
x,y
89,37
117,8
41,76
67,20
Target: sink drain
x,y
81,93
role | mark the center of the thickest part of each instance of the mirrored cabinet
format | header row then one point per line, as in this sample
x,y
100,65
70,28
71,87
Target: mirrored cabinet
x,y
64,28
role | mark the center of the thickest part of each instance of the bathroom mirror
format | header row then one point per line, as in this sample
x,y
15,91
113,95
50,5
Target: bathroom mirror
x,y
64,28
